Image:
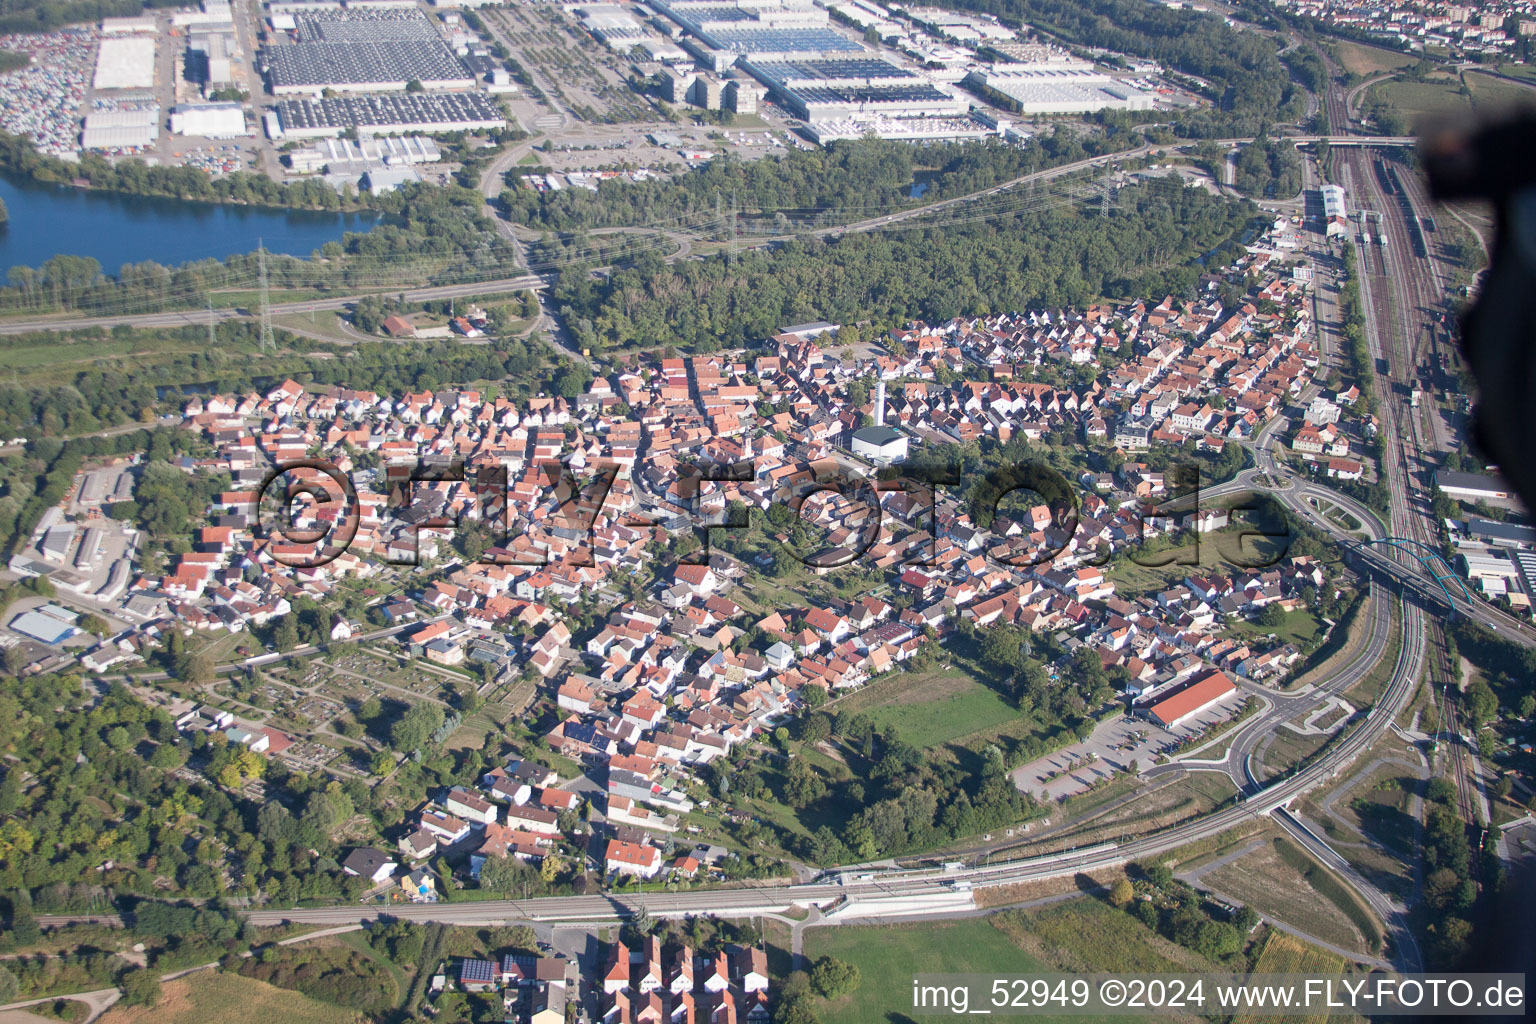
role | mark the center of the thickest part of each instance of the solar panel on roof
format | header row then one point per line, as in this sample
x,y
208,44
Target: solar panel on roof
x,y
477,971
781,40
321,64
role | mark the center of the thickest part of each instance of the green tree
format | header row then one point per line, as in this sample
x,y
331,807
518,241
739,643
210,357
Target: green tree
x,y
141,987
832,977
197,669
506,876
1272,616
414,728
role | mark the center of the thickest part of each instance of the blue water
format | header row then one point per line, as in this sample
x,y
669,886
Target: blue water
x,y
46,220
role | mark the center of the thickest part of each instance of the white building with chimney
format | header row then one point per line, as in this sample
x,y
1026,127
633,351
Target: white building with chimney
x,y
880,444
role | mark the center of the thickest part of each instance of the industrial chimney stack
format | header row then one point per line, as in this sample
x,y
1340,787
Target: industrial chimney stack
x,y
880,404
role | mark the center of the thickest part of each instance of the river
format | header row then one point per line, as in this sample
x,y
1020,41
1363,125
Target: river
x,y
46,220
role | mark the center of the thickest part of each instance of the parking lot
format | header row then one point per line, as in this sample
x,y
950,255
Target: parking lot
x,y
1111,749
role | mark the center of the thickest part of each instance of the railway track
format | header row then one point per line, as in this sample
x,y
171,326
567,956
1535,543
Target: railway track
x,y
1420,290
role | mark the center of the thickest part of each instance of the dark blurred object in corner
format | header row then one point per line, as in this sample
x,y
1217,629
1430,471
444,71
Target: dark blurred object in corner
x,y
1495,160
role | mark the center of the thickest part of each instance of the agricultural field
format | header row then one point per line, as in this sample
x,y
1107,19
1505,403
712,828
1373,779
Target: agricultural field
x,y
1286,954
1524,72
216,995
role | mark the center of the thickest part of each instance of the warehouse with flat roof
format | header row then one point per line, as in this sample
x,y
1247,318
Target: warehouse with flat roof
x,y
131,128
208,120
385,66
841,88
1471,486
125,62
50,624
1054,90
861,70
399,114
367,49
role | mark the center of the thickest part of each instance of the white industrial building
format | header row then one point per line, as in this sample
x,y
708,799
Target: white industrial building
x,y
880,444
1471,486
345,156
614,27
125,62
394,114
134,128
209,12
1056,90
1335,215
907,129
663,51
143,24
208,120
742,97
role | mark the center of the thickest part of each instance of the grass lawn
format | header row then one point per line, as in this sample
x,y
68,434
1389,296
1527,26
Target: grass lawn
x,y
1488,91
1288,748
1300,628
888,957
1526,72
1366,61
1220,550
1365,692
932,708
1078,935
55,358
1415,100
215,995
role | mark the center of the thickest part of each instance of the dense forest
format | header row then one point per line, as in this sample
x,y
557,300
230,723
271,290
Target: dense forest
x,y
847,181
1251,84
1059,255
1268,168
45,15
